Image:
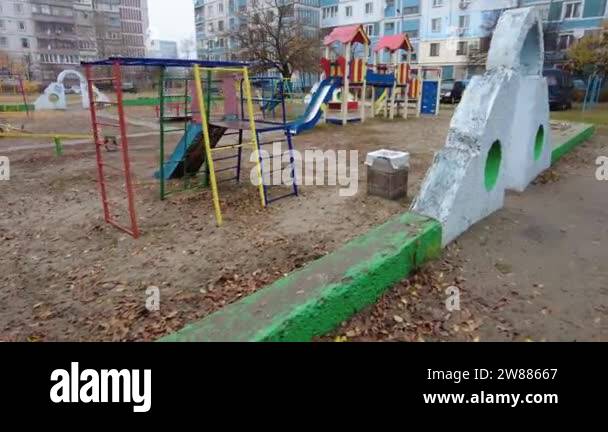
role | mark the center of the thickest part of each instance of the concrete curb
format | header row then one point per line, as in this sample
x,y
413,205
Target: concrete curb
x,y
573,142
313,301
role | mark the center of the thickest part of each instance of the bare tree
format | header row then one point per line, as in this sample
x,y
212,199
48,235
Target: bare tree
x,y
478,55
275,34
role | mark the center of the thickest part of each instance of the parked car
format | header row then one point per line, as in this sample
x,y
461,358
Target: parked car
x,y
129,87
451,91
561,89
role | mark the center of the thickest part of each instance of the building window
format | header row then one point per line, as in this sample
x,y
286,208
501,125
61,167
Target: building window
x,y
3,41
348,10
369,29
389,28
220,7
25,43
434,50
437,3
220,26
369,8
572,10
463,22
461,49
330,12
564,41
411,10
436,25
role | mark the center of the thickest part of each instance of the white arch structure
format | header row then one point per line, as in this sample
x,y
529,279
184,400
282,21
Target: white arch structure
x,y
54,98
499,136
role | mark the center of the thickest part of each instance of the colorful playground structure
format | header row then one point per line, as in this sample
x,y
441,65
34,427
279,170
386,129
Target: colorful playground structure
x,y
200,150
341,96
595,84
392,79
346,73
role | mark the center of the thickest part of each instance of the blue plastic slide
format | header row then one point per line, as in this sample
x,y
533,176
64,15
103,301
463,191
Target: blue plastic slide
x,y
313,112
188,156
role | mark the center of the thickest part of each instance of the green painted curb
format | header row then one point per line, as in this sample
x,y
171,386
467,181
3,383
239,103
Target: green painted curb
x,y
314,300
573,142
151,101
16,108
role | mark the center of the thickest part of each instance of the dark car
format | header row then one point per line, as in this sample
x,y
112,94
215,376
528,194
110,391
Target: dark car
x,y
129,87
451,91
561,89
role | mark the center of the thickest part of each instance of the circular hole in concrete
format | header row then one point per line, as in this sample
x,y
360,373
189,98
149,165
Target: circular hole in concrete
x,y
539,142
493,162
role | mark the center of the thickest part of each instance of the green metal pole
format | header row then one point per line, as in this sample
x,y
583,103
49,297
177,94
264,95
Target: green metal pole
x,y
161,98
208,93
208,112
58,146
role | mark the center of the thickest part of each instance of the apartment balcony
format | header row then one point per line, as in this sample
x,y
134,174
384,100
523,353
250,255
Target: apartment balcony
x,y
390,12
40,17
57,35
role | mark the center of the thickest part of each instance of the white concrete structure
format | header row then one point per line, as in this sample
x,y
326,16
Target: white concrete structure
x,y
54,98
499,137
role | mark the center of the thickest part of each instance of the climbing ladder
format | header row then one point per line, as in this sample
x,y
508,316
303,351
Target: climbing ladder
x,y
112,208
267,165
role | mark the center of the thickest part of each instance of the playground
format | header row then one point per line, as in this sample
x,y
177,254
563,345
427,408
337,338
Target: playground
x,y
114,200
70,276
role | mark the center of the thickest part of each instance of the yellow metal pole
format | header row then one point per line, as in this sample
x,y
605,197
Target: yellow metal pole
x,y
254,137
207,143
364,86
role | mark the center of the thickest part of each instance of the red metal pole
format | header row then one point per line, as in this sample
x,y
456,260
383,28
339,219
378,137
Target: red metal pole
x,y
125,146
27,108
98,143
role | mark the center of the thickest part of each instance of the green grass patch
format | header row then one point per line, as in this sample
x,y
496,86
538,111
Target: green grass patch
x,y
598,115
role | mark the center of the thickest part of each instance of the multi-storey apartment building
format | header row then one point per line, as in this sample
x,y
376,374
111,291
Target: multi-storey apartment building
x,y
134,26
48,36
453,32
17,34
566,21
163,49
216,20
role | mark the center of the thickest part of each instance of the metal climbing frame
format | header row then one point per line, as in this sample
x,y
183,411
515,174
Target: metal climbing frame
x,y
210,147
204,111
112,208
266,126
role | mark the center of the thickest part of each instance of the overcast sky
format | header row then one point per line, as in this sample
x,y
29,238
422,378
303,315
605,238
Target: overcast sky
x,y
171,19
